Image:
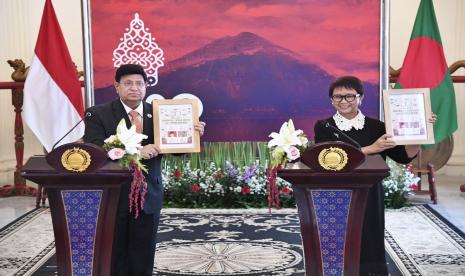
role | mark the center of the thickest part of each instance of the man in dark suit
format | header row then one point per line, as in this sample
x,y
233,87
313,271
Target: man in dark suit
x,y
135,239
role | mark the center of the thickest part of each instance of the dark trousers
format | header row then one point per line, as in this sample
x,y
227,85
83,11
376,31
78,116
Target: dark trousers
x,y
372,256
135,240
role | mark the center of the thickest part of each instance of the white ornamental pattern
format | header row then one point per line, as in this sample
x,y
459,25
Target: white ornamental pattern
x,y
137,46
223,258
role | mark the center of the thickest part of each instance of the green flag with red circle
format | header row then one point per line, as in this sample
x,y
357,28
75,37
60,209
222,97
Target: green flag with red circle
x,y
425,67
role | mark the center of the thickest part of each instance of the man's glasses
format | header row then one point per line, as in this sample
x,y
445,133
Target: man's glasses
x,y
129,84
349,97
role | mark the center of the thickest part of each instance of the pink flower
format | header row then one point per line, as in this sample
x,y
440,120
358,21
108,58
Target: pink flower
x,y
410,168
195,188
414,187
116,153
292,153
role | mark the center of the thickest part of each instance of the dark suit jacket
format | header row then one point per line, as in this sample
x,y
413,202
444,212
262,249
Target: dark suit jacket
x,y
102,124
372,130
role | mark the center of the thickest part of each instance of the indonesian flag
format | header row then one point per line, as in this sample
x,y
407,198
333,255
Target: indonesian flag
x,y
52,92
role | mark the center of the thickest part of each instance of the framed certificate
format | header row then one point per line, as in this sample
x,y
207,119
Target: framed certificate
x,y
174,125
406,113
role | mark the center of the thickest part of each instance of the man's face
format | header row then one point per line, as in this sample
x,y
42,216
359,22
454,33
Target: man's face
x,y
131,90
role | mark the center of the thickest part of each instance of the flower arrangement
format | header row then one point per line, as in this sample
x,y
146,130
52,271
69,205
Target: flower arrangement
x,y
215,187
124,146
287,145
400,184
210,180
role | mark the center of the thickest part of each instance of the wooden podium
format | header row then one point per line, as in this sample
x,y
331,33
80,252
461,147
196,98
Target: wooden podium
x,y
83,191
331,199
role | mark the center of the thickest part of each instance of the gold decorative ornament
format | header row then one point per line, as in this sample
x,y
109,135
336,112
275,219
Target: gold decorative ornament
x,y
75,159
333,159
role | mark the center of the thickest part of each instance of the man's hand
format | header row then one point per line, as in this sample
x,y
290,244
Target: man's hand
x,y
149,151
200,127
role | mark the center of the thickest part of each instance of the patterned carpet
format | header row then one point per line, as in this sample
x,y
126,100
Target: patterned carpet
x,y
422,242
245,242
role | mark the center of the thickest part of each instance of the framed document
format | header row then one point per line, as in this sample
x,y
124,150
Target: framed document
x,y
406,113
174,125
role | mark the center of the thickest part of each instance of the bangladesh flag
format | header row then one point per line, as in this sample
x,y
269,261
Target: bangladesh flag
x,y
425,67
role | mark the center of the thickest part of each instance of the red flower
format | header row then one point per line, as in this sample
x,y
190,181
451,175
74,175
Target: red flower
x,y
177,174
285,190
195,188
245,190
414,187
219,175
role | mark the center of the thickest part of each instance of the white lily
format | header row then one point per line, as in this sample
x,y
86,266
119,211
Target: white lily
x,y
129,137
286,137
111,139
303,140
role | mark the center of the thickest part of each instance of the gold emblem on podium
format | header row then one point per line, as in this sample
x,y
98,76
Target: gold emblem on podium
x,y
75,159
333,158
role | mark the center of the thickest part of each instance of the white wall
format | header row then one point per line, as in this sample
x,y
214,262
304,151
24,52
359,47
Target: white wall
x,y
20,20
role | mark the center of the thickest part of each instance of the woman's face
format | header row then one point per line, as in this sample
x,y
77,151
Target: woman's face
x,y
346,101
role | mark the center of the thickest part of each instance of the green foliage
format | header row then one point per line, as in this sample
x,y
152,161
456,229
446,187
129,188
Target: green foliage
x,y
224,175
237,153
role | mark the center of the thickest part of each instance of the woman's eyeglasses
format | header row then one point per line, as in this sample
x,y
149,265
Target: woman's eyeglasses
x,y
348,97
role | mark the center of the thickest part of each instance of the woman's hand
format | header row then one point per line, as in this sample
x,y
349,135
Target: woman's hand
x,y
150,151
383,143
433,119
200,127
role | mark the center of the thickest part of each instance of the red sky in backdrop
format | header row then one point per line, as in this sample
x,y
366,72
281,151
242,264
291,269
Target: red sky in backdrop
x,y
340,36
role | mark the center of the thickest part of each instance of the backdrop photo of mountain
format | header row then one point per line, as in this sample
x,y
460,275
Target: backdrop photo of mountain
x,y
253,64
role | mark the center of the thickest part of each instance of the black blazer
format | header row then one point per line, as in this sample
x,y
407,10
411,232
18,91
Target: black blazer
x,y
371,131
102,124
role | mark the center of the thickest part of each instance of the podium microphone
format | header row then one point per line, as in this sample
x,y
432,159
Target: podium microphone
x,y
339,132
87,115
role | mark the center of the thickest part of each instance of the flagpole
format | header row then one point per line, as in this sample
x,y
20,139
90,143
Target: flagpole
x,y
384,53
87,41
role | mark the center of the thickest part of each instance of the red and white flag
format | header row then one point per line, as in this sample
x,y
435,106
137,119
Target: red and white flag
x,y
52,93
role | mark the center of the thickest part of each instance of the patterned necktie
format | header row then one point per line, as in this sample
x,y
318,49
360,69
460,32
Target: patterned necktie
x,y
135,120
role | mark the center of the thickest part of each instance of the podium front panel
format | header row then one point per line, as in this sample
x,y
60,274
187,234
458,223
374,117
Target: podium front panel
x,y
331,207
83,208
331,211
81,212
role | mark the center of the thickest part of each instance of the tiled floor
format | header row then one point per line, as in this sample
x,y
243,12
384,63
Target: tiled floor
x,y
14,207
451,202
